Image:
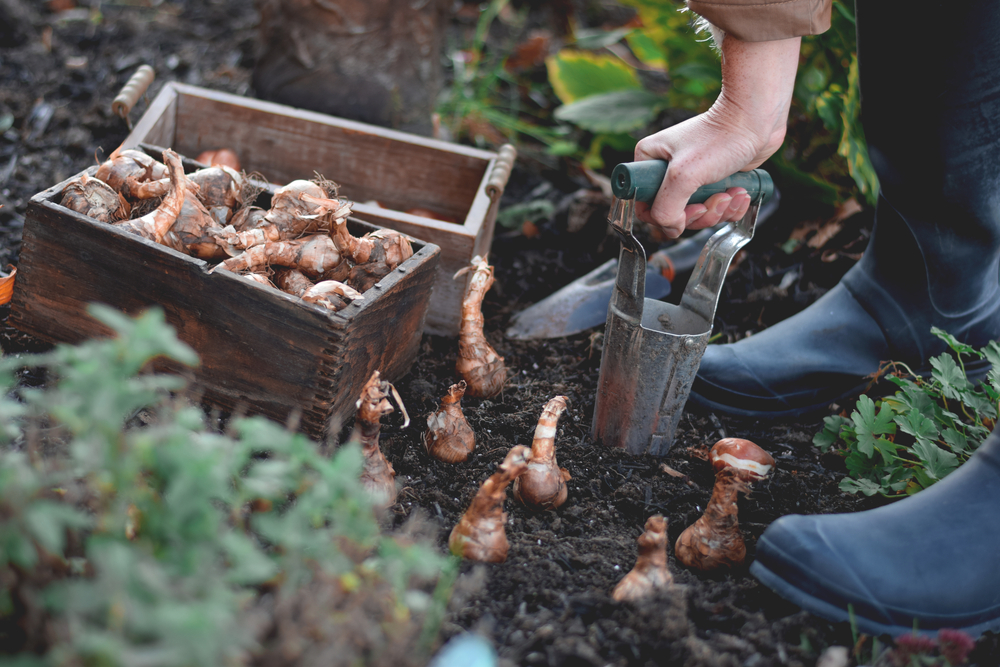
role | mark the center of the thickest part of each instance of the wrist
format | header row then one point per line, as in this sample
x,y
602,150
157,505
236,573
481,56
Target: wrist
x,y
758,79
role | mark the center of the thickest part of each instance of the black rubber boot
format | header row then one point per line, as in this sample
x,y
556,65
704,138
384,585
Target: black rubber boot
x,y
932,557
932,119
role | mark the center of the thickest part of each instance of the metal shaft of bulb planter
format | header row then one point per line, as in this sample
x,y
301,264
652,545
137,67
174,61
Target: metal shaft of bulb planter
x,y
652,349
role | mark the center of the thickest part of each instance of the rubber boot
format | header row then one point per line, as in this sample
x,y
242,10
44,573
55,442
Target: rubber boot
x,y
928,561
932,120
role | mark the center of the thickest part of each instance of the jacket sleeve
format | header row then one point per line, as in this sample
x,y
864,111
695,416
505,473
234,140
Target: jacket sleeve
x,y
764,20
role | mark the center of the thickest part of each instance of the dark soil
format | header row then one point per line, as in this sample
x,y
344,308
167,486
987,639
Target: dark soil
x,y
549,604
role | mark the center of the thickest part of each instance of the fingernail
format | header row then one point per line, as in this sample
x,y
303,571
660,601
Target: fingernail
x,y
737,202
723,205
694,216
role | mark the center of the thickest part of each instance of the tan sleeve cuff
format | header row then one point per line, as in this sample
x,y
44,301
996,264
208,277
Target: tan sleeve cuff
x,y
765,20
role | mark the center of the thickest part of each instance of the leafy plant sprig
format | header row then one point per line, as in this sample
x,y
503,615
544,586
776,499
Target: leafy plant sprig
x,y
173,544
906,442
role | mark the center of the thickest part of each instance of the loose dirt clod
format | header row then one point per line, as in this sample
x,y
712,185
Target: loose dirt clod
x,y
479,534
449,437
543,484
650,573
478,363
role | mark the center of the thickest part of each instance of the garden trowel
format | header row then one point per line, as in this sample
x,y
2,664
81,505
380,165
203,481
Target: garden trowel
x,y
652,350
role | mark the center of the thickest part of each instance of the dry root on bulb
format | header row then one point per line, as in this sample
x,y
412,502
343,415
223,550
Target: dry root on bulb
x,y
449,437
543,484
373,256
478,363
650,573
155,224
480,534
377,476
714,541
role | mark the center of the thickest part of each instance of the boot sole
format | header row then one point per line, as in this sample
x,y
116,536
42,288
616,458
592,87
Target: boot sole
x,y
824,609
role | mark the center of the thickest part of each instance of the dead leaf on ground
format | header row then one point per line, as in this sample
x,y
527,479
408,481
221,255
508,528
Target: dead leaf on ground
x,y
833,226
531,52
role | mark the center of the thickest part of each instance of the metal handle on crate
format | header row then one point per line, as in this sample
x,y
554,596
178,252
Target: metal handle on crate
x,y
641,181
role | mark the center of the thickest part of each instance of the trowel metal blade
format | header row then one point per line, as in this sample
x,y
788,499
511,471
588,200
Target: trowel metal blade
x,y
580,305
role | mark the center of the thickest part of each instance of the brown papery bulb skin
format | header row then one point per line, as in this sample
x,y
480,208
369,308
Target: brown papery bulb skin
x,y
714,541
126,167
747,458
543,484
480,534
377,475
95,198
449,437
650,573
478,363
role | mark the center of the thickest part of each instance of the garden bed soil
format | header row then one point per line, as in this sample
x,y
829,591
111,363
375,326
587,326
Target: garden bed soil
x,y
549,603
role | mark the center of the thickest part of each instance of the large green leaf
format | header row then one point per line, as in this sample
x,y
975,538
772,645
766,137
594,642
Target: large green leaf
x,y
575,75
615,112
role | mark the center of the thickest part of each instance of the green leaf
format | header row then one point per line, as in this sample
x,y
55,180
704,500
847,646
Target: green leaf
x,y
48,522
865,486
575,75
918,426
831,433
868,424
949,375
598,39
959,348
614,112
956,440
646,49
937,462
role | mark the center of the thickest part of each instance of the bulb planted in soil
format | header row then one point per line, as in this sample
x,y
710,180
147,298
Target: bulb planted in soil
x,y
714,541
543,484
377,476
480,534
449,437
478,363
650,573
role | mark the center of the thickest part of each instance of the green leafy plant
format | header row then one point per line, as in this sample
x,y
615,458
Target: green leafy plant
x,y
133,533
906,442
484,101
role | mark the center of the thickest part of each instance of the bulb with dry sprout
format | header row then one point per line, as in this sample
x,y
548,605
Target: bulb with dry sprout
x,y
714,541
480,534
377,476
449,437
543,484
478,363
650,573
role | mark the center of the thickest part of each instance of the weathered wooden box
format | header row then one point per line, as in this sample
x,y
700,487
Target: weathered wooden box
x,y
400,171
262,351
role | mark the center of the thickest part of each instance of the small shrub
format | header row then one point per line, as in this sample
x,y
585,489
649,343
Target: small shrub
x,y
904,443
146,537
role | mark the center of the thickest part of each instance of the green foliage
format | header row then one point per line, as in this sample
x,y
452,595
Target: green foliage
x,y
152,544
906,442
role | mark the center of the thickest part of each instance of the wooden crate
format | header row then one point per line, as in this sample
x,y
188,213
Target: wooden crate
x,y
262,351
398,170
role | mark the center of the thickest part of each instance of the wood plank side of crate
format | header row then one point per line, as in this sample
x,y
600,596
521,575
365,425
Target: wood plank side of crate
x,y
369,162
261,350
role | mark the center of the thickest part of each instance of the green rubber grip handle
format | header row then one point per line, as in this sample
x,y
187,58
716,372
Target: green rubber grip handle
x,y
641,181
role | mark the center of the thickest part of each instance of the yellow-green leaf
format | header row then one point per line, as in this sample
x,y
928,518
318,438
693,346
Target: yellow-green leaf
x,y
578,74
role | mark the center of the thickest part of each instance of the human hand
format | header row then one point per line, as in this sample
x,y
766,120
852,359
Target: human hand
x,y
745,125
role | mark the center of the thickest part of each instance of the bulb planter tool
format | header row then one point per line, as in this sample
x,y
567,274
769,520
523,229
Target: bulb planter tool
x,y
652,350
